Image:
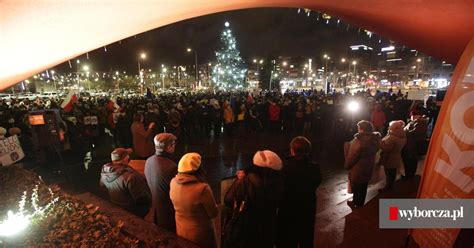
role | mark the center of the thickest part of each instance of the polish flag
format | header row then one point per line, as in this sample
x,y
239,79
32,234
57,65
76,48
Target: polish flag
x,y
69,101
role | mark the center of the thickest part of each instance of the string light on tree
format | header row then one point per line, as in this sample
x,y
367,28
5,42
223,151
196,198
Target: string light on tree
x,y
229,70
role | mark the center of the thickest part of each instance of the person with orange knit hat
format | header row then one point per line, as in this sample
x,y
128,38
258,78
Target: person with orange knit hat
x,y
194,204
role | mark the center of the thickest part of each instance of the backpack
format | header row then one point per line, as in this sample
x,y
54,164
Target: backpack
x,y
236,217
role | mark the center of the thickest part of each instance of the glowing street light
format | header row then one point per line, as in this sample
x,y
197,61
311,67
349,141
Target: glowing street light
x,y
54,80
261,61
85,68
343,60
196,63
255,60
163,71
418,60
285,63
353,106
140,73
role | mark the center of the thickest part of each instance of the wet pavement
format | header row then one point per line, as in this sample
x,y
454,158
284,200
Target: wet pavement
x,y
336,224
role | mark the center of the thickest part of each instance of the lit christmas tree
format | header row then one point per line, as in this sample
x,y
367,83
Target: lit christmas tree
x,y
229,70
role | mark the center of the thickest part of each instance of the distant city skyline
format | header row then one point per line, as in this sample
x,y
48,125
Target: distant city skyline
x,y
260,34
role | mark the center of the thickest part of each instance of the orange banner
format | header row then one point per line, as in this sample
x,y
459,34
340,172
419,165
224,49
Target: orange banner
x,y
449,167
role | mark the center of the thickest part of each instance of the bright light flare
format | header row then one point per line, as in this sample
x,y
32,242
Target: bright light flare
x,y
353,106
14,224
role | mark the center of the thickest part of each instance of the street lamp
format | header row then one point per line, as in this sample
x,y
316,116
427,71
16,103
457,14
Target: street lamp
x,y
54,81
196,63
140,73
163,71
354,63
86,69
327,58
343,60
419,68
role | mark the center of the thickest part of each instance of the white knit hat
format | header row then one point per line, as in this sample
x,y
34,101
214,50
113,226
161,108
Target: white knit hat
x,y
267,159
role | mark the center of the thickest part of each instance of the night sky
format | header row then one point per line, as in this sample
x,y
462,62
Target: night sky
x,y
260,33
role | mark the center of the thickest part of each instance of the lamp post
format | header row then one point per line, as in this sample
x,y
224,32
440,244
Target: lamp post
x,y
86,69
343,60
354,63
54,81
163,71
209,74
118,81
418,68
196,63
78,74
140,73
258,63
327,58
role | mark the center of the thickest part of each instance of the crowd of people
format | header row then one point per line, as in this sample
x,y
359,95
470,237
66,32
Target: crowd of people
x,y
196,115
272,203
272,196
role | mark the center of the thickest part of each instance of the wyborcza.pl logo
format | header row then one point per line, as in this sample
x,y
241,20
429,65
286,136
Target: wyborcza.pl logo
x,y
426,213
410,214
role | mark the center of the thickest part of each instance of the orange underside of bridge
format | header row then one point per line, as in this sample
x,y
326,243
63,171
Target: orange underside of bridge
x,y
38,34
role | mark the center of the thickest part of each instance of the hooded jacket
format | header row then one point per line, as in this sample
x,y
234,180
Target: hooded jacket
x,y
360,159
126,188
195,208
392,145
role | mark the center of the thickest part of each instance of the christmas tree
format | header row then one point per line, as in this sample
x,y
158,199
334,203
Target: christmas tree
x,y
229,70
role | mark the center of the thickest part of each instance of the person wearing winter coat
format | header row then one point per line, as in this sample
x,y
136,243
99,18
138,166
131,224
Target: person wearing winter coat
x,y
142,139
392,145
159,171
274,117
228,118
360,161
261,189
194,203
415,131
126,188
297,212
378,118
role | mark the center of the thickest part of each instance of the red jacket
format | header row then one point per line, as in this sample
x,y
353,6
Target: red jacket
x,y
378,118
274,112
